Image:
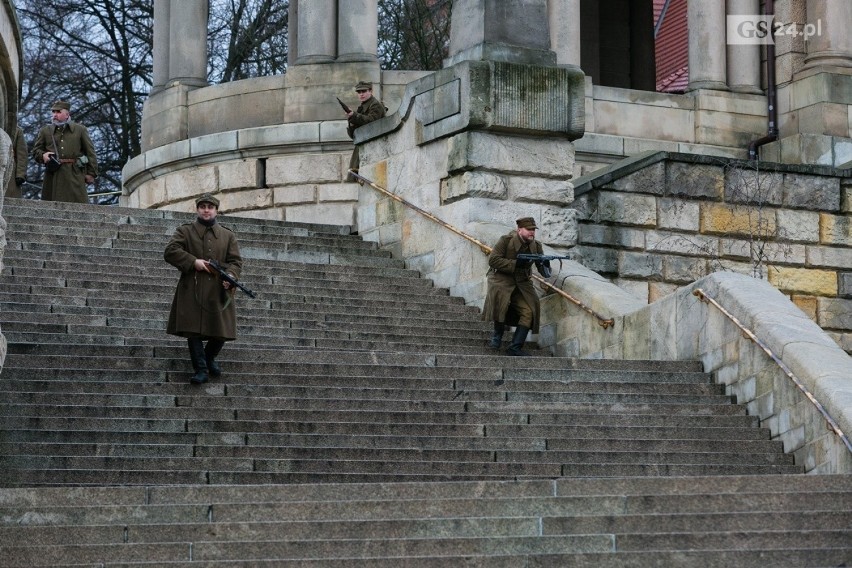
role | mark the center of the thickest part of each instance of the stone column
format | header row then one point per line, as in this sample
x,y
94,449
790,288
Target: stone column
x,y
317,37
564,20
357,30
188,42
707,54
162,11
829,43
744,60
293,33
511,31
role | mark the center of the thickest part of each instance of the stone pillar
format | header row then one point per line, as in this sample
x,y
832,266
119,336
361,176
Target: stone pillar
x,y
744,60
162,11
829,42
357,30
564,20
512,31
293,33
188,42
317,35
707,54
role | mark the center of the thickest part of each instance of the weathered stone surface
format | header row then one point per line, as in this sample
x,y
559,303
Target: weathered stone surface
x,y
720,218
745,185
238,175
246,199
695,180
641,265
473,184
515,154
835,229
627,209
827,257
623,237
300,169
184,184
677,214
538,190
804,281
798,226
682,270
651,179
295,194
834,313
812,192
845,284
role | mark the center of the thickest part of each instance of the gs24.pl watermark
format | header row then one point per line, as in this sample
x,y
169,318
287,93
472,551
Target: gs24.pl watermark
x,y
761,30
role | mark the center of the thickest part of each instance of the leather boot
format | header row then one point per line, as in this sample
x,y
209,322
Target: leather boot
x,y
518,340
211,350
497,336
199,362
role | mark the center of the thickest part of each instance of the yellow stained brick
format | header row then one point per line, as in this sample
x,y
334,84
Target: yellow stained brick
x,y
807,304
835,229
803,280
723,219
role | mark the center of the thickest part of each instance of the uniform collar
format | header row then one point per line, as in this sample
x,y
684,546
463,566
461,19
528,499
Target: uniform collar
x,y
201,229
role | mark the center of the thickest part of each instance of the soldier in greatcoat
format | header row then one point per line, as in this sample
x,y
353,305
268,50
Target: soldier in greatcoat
x,y
369,110
69,143
511,299
203,306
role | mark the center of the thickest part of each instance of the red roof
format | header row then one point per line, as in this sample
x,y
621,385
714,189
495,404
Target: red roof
x,y
671,49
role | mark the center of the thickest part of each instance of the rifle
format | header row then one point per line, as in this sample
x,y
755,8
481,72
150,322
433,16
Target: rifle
x,y
346,109
541,257
228,278
542,261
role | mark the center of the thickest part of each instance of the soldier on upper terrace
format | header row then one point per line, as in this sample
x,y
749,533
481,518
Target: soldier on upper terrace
x,y
67,152
369,110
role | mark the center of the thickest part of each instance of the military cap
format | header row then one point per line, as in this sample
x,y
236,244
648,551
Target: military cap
x,y
60,105
206,198
526,223
364,86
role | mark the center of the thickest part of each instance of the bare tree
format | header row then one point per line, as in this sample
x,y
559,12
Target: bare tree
x,y
414,34
97,55
247,38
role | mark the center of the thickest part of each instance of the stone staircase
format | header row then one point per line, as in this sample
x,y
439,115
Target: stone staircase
x,y
360,421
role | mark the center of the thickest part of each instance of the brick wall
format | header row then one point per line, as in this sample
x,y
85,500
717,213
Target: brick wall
x,y
660,221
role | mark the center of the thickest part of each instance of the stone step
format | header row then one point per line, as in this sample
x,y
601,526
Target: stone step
x,y
786,558
73,213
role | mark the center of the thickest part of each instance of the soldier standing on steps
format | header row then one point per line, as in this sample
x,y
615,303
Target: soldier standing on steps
x,y
369,110
75,162
511,299
203,305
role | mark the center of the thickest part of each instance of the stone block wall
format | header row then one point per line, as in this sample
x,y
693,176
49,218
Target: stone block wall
x,y
268,182
660,221
680,326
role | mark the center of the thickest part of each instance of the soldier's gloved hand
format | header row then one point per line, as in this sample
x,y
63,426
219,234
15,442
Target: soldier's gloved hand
x,y
543,268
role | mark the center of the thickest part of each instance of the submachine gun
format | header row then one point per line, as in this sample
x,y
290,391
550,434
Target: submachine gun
x,y
542,261
214,264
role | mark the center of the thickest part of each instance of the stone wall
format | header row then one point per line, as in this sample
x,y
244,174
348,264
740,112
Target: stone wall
x,y
681,327
6,173
660,221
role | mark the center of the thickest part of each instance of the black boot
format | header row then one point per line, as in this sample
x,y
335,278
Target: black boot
x,y
518,341
199,361
497,336
211,350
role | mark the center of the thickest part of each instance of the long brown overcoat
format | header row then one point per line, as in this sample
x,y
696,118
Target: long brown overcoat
x,y
505,277
72,142
368,111
200,306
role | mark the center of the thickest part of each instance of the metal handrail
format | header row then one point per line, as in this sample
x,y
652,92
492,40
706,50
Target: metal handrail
x,y
602,321
702,295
